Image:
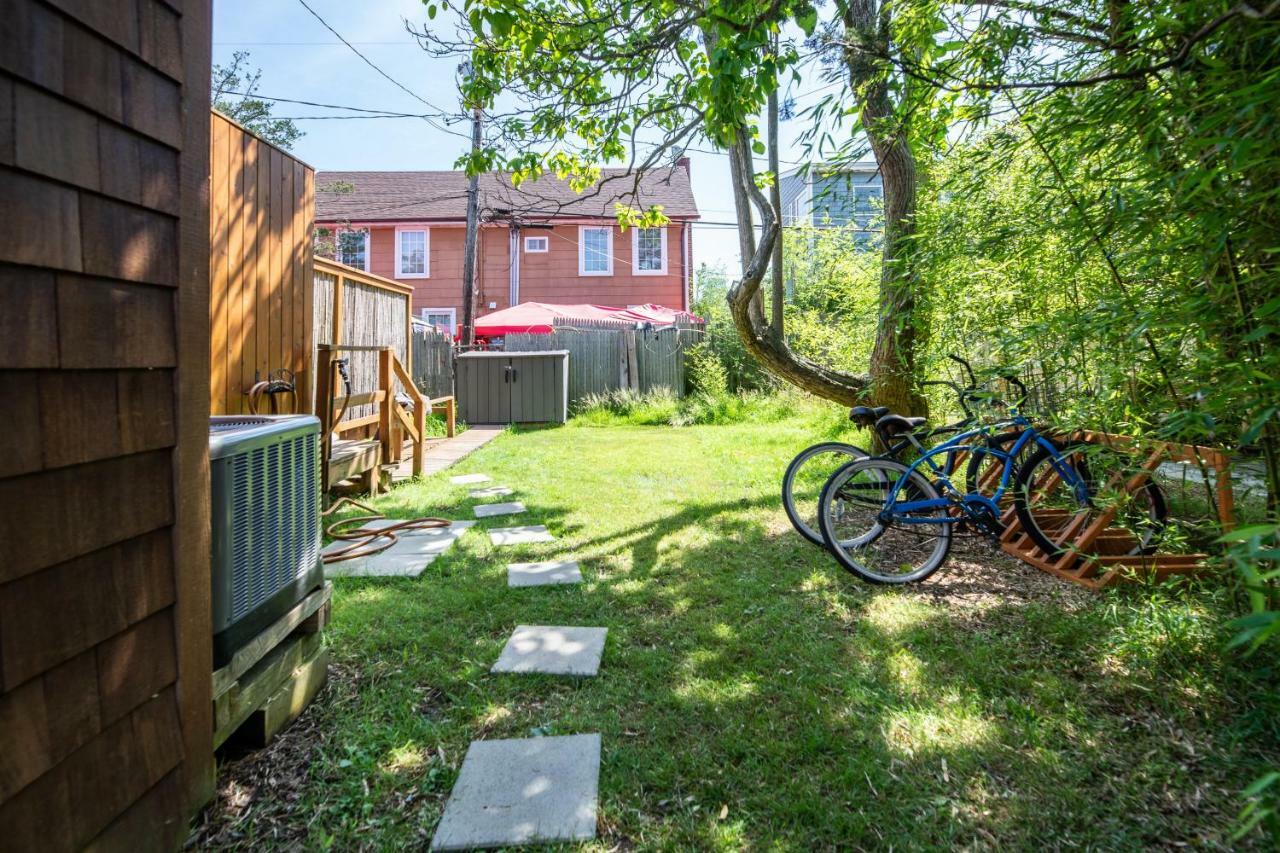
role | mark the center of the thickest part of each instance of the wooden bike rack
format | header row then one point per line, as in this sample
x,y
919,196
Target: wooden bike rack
x,y
1097,552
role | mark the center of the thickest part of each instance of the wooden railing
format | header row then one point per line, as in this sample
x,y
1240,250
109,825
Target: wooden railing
x,y
389,417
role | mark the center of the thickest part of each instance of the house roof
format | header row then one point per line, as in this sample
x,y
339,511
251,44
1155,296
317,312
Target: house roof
x,y
415,196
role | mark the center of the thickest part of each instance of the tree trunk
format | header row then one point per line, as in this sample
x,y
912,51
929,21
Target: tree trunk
x,y
775,199
763,341
766,344
893,364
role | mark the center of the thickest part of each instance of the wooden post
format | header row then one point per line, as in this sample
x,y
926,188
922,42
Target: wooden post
x,y
339,293
1226,498
633,365
385,404
419,427
451,416
408,334
324,408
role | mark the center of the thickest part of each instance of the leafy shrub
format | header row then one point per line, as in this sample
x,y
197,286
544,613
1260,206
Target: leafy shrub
x,y
662,408
707,373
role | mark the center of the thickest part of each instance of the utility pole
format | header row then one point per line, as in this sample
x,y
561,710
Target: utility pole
x,y
469,249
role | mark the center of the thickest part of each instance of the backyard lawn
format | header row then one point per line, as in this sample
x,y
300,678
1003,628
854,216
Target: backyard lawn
x,y
752,695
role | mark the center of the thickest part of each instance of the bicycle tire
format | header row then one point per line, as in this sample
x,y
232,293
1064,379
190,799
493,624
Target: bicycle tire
x,y
1156,507
1156,510
856,554
789,478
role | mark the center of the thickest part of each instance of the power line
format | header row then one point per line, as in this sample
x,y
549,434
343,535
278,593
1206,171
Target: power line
x,y
259,97
307,43
391,79
341,118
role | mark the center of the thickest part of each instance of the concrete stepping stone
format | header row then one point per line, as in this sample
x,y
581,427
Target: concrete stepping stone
x,y
523,791
413,552
520,535
543,574
553,650
490,510
491,492
469,479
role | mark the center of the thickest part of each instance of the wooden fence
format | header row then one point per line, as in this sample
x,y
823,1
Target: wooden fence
x,y
262,210
355,308
609,359
432,361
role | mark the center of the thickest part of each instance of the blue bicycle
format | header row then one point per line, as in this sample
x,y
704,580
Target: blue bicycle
x,y
891,522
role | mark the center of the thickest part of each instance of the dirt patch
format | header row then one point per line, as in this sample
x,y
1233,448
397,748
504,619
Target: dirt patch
x,y
979,575
255,804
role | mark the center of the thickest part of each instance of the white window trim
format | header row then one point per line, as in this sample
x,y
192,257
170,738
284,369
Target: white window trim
x,y
546,245
426,241
337,242
635,253
423,313
582,249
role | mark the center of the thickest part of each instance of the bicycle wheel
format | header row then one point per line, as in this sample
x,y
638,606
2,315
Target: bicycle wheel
x,y
803,481
1053,513
986,462
849,514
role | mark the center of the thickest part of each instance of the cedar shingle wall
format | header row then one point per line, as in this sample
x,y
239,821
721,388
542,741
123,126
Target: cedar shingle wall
x,y
104,621
262,211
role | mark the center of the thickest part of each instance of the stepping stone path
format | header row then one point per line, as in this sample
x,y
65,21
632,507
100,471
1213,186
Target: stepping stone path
x,y
490,510
413,551
469,479
553,650
529,790
520,535
491,492
543,574
523,791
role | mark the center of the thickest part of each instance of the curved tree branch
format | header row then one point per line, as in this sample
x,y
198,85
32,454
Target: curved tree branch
x,y
760,338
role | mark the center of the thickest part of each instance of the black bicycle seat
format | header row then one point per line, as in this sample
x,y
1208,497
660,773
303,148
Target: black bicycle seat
x,y
897,424
867,415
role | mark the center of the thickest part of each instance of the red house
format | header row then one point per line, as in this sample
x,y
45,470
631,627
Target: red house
x,y
541,242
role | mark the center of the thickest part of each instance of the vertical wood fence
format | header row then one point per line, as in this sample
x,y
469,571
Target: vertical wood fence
x,y
355,308
603,359
262,210
432,361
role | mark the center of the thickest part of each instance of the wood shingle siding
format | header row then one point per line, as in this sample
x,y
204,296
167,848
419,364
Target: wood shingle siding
x,y
105,636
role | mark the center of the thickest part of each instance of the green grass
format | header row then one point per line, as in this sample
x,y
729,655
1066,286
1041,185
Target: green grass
x,y
662,408
753,695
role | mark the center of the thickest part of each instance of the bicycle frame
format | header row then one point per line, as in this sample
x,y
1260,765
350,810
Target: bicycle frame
x,y
899,511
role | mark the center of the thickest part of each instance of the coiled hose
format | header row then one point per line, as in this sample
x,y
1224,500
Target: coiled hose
x,y
366,542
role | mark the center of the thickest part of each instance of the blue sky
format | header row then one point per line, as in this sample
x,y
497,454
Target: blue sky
x,y
302,60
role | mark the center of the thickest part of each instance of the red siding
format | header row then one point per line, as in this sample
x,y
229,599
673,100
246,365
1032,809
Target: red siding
x,y
544,277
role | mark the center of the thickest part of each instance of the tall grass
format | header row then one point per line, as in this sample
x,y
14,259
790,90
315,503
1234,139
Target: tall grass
x,y
662,408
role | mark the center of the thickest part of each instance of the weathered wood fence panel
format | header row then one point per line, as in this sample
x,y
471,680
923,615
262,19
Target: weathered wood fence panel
x,y
660,356
262,210
608,359
372,311
432,361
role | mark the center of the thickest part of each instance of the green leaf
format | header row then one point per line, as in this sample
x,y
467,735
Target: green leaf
x,y
1241,534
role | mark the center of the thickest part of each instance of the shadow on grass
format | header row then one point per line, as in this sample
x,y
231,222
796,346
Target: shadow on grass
x,y
754,695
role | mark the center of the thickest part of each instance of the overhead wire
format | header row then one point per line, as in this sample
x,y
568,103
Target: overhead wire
x,y
388,77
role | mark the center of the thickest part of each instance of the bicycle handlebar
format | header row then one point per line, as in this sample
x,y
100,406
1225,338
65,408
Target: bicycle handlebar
x,y
962,394
973,380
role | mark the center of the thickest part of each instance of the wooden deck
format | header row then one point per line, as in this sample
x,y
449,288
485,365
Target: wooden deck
x,y
441,453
